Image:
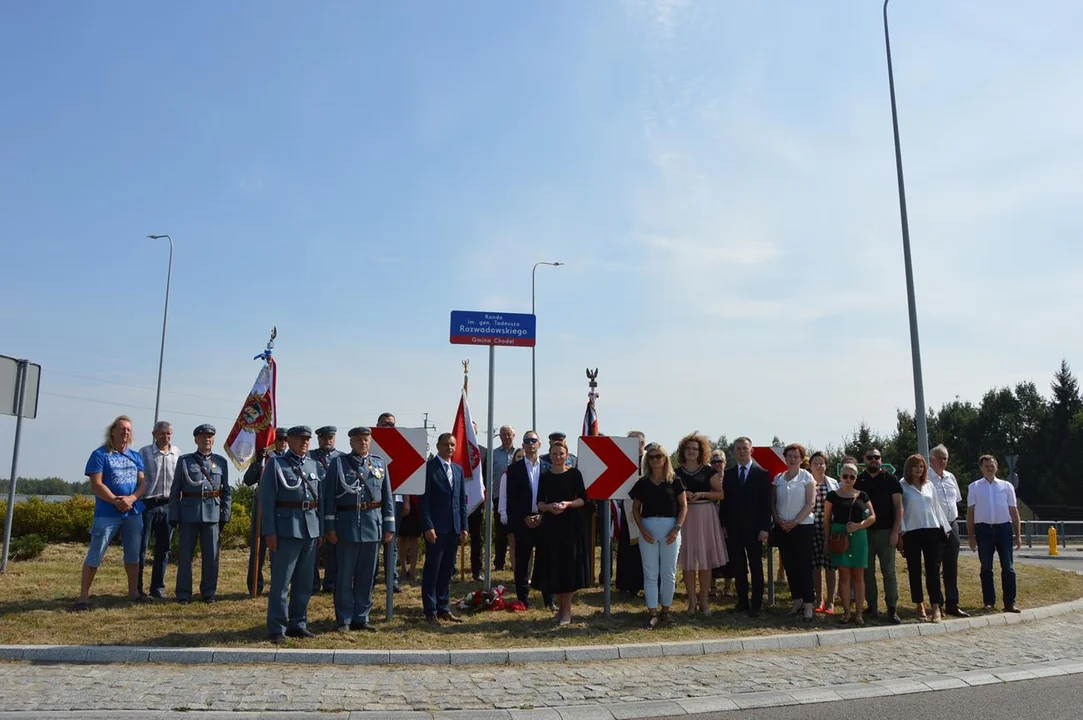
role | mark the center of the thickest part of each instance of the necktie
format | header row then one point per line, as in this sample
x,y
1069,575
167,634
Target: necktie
x,y
447,471
741,475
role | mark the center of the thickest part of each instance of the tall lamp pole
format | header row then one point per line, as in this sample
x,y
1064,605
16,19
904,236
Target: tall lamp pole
x,y
915,347
533,356
165,317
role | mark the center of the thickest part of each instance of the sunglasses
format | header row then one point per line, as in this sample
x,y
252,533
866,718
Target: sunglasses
x,y
849,477
872,457
718,462
656,457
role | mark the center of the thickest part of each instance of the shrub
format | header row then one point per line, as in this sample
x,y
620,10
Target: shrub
x,y
27,547
68,521
235,533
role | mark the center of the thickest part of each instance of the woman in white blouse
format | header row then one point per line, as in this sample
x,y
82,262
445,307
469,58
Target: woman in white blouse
x,y
793,499
925,531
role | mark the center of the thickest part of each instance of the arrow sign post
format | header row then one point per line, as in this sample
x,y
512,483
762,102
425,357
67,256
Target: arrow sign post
x,y
404,449
609,469
608,465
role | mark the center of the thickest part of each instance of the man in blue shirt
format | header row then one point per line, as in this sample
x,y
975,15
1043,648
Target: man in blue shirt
x,y
116,479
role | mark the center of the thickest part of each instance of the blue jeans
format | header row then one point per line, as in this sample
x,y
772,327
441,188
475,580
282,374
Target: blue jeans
x,y
105,529
996,539
659,559
155,523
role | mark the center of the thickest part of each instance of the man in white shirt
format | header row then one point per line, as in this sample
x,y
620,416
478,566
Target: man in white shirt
x,y
159,463
947,490
519,512
992,516
503,456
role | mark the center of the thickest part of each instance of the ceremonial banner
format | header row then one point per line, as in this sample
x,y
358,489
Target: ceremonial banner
x,y
255,426
590,428
468,455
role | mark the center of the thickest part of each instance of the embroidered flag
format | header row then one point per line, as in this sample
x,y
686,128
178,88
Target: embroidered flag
x,y
255,426
468,455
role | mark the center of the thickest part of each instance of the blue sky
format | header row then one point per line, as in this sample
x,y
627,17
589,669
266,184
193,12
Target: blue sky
x,y
718,177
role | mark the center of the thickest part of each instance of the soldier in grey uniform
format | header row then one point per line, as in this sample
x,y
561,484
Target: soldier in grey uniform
x,y
359,515
251,477
289,498
199,503
323,455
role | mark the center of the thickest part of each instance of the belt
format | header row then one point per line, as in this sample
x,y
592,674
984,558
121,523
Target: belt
x,y
155,502
204,494
362,506
305,505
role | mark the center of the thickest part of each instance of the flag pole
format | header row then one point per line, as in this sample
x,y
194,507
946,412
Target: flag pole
x,y
607,521
462,548
257,514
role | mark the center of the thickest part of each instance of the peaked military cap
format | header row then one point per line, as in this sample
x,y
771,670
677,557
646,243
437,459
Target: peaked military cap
x,y
557,436
204,429
326,431
299,431
360,430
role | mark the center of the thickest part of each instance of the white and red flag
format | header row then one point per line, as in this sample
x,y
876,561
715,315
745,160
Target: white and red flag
x,y
255,426
468,455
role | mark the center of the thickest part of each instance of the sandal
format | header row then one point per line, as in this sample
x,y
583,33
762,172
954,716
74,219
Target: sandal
x,y
652,622
859,621
665,619
845,619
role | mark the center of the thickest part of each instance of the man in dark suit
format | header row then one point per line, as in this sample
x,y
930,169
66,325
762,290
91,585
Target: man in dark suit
x,y
443,521
746,521
519,512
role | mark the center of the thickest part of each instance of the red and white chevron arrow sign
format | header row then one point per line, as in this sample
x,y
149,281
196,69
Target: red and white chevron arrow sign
x,y
609,465
404,450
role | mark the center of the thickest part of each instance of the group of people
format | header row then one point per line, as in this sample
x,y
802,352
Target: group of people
x,y
701,516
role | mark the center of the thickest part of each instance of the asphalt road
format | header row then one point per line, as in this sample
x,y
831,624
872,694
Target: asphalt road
x,y
1049,699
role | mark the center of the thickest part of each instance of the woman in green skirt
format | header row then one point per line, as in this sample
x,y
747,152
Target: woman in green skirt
x,y
849,511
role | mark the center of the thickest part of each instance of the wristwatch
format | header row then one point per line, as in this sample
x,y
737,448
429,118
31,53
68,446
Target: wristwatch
x,y
677,526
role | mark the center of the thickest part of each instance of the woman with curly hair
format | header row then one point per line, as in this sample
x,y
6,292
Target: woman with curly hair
x,y
702,546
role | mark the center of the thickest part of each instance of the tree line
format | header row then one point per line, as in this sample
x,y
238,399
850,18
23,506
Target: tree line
x,y
1045,434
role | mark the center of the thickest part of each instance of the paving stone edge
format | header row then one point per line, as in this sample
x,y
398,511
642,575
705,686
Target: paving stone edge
x,y
581,653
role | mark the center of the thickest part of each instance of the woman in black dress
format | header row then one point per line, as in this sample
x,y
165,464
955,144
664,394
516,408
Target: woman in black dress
x,y
629,563
560,560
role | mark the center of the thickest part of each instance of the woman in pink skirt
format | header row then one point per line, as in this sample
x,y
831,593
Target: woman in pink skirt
x,y
702,547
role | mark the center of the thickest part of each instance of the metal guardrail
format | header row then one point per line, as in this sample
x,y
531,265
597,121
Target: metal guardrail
x,y
1066,530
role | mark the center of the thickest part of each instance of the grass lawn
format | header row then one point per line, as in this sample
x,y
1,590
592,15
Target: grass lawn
x,y
35,597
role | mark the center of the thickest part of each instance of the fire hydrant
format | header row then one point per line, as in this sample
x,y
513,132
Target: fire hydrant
x,y
1053,541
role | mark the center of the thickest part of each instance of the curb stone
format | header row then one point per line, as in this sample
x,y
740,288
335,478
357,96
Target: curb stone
x,y
583,653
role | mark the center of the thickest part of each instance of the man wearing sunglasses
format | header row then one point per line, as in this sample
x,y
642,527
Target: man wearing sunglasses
x,y
519,512
885,491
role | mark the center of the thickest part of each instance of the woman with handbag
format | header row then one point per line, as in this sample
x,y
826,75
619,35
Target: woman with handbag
x,y
847,515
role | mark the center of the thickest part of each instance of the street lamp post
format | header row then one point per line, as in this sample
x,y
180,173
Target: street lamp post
x,y
533,358
915,348
165,317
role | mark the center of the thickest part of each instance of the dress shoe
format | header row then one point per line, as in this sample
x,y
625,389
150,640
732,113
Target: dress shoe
x,y
477,577
755,612
343,629
210,599
446,615
893,617
278,639
431,620
300,633
954,611
183,601
1012,609
367,626
157,594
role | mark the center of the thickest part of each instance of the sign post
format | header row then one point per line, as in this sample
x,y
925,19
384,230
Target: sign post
x,y
492,329
404,449
15,377
610,467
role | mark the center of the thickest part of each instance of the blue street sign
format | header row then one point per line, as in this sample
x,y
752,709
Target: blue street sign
x,y
492,328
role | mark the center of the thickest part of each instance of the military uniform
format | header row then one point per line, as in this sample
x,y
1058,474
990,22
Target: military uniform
x,y
289,495
359,507
255,564
199,503
323,460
